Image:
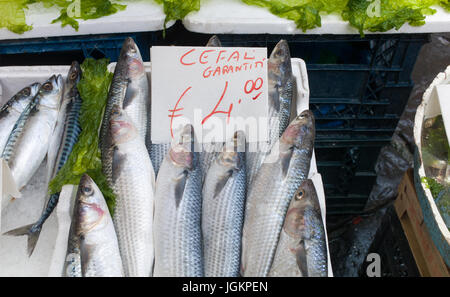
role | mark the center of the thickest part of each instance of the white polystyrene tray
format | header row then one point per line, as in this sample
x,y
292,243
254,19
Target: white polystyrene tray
x,y
236,17
48,257
139,16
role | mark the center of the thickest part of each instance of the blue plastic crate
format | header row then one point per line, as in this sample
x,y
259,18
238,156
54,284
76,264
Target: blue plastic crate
x,y
63,50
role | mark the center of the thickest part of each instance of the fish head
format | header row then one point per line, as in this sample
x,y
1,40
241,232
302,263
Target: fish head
x,y
91,206
24,96
279,63
214,41
121,127
50,93
230,156
74,75
135,65
301,131
304,197
181,153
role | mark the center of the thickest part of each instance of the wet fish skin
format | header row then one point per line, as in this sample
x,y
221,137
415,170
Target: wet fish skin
x,y
93,250
270,194
130,174
129,91
178,202
27,148
11,111
302,248
57,140
224,193
71,130
281,94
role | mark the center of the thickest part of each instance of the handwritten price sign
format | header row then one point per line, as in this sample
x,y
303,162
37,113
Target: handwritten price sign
x,y
217,90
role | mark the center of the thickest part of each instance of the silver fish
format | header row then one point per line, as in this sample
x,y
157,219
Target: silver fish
x,y
26,149
129,90
178,211
281,93
11,111
92,250
69,94
271,192
302,247
224,193
70,131
130,174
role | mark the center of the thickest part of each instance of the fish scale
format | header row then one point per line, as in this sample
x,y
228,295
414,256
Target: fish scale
x,y
178,204
223,215
125,168
281,92
270,193
302,250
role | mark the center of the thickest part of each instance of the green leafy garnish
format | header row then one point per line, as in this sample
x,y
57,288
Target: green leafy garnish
x,y
391,14
305,13
365,15
89,9
431,184
86,156
12,16
178,9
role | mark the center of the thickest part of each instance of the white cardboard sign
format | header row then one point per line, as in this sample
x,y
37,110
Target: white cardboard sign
x,y
217,90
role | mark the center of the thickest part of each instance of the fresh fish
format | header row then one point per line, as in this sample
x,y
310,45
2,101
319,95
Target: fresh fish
x,y
92,250
11,111
302,247
129,90
224,193
57,140
214,41
281,93
28,143
178,211
271,192
158,151
70,131
130,174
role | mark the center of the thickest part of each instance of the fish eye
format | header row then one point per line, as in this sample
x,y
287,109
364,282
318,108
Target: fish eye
x,y
115,112
47,86
133,50
74,75
299,195
87,190
27,91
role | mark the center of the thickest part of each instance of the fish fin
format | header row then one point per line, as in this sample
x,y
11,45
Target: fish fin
x,y
130,94
221,183
301,258
117,162
31,231
285,162
179,187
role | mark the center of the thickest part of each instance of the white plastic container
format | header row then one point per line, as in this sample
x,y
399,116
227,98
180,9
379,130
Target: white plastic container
x,y
139,16
432,106
236,17
49,255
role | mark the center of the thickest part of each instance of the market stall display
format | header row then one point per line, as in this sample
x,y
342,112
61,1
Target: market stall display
x,y
56,229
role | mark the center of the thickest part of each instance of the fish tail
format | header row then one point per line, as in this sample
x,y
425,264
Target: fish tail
x,y
32,231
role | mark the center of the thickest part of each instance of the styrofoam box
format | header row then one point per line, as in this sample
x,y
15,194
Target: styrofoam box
x,y
139,16
48,257
236,17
